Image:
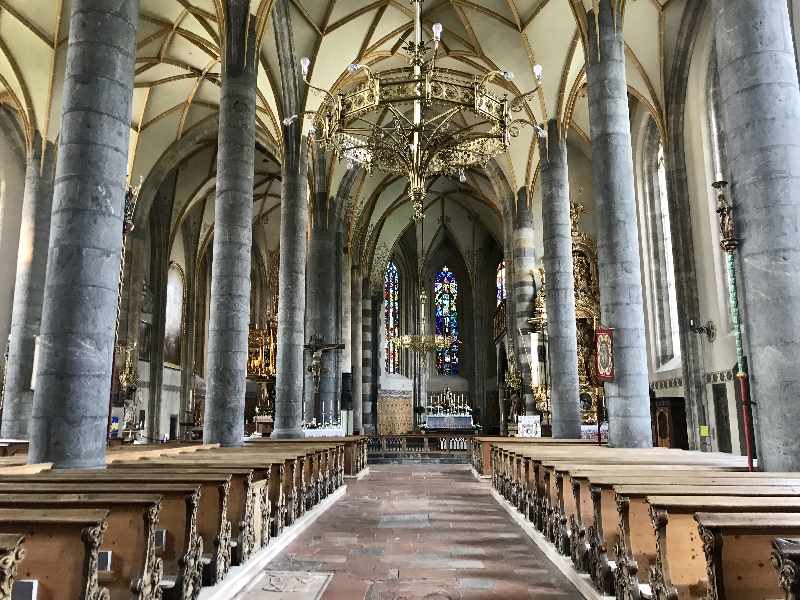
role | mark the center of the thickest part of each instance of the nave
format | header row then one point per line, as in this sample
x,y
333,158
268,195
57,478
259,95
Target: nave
x,y
412,532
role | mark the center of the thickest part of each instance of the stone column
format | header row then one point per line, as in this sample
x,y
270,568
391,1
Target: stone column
x,y
320,317
26,313
523,288
561,331
76,343
229,319
366,356
357,348
761,107
627,398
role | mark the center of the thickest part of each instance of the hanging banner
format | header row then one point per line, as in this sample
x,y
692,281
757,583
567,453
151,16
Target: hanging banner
x,y
604,353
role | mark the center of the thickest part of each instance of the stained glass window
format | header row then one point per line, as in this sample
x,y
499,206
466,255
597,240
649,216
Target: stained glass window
x,y
501,282
391,315
445,292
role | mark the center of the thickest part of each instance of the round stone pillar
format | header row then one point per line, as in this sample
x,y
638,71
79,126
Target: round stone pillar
x,y
366,357
26,313
558,267
356,347
229,319
761,108
76,343
627,397
320,318
523,288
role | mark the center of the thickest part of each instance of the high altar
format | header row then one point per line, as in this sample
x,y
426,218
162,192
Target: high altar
x,y
448,411
587,317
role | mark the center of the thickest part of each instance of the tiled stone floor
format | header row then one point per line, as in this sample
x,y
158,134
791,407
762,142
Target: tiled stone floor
x,y
409,532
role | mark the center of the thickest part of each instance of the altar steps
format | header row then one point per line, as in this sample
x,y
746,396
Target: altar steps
x,y
418,458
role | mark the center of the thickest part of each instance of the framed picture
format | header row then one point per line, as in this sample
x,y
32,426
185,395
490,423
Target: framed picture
x,y
604,353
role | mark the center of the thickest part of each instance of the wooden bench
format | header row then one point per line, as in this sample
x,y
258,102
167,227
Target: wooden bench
x,y
738,547
242,495
334,458
286,485
61,550
135,569
573,511
212,522
11,554
672,557
183,547
606,538
786,560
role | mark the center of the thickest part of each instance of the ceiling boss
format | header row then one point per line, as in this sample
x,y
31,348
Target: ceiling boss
x,y
419,121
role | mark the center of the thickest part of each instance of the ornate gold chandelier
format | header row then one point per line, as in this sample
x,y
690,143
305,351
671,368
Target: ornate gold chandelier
x,y
424,343
419,121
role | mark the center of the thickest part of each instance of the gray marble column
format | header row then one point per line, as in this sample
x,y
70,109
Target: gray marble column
x,y
356,345
76,343
523,288
26,313
294,228
627,398
366,356
320,318
561,331
229,319
761,106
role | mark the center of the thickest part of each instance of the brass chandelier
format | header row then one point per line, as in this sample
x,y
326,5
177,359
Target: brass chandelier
x,y
422,342
419,121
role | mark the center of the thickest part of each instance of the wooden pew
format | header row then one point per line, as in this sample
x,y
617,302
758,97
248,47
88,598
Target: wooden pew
x,y
285,488
212,522
334,451
11,554
61,550
786,560
482,448
672,556
570,530
242,494
737,547
130,537
605,537
183,547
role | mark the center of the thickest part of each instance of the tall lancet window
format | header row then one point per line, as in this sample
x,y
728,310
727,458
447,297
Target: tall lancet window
x,y
445,292
391,316
659,273
501,282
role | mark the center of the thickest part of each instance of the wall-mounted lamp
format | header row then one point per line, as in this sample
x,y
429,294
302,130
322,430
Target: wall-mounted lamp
x,y
709,329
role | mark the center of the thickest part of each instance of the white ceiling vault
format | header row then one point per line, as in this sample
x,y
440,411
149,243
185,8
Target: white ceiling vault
x,y
178,77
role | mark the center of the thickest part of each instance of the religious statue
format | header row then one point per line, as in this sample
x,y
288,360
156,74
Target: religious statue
x,y
317,346
514,412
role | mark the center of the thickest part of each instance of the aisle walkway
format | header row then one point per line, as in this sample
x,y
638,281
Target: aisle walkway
x,y
408,532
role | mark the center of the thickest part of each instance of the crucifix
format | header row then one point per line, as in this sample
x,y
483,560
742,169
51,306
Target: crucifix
x,y
316,345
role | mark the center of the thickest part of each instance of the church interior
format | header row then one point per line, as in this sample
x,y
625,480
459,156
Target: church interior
x,y
399,299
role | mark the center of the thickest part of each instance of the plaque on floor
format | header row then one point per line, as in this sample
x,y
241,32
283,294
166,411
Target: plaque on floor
x,y
287,585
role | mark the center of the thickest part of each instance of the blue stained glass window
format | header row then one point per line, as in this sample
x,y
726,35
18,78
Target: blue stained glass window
x,y
391,315
445,298
501,282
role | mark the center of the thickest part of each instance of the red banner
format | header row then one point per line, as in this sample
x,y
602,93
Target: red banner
x,y
604,353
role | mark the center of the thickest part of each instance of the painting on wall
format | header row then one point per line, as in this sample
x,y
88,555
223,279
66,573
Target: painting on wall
x,y
173,324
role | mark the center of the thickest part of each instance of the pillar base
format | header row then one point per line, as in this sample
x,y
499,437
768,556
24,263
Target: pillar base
x,y
287,434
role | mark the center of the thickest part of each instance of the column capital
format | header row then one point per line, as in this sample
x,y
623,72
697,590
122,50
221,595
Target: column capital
x,y
240,39
604,26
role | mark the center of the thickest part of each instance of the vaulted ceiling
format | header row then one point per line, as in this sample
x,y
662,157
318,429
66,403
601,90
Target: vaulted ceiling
x,y
178,78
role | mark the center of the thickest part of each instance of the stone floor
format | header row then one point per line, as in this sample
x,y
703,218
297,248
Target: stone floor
x,y
409,532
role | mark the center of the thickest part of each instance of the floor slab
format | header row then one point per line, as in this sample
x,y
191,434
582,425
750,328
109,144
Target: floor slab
x,y
409,532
